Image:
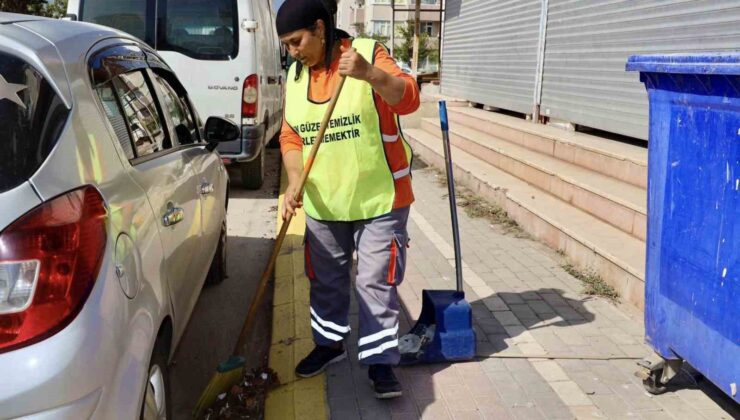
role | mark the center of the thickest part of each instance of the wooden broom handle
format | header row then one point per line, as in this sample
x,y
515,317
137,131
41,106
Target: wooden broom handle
x,y
249,321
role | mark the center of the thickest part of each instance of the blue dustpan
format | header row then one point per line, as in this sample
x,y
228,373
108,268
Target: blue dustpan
x,y
444,331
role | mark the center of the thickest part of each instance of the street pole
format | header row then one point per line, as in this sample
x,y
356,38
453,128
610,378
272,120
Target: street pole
x,y
393,26
417,29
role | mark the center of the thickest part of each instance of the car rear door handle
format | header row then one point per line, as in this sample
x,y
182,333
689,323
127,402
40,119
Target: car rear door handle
x,y
272,80
173,216
206,188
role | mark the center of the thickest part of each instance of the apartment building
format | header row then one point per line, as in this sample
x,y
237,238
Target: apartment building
x,y
373,17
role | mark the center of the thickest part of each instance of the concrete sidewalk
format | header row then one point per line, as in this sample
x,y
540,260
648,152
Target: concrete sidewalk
x,y
524,303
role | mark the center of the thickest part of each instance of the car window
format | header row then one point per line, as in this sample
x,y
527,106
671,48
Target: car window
x,y
205,30
32,116
115,116
179,112
140,110
133,16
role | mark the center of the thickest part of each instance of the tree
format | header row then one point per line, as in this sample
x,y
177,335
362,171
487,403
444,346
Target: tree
x,y
55,8
405,51
361,33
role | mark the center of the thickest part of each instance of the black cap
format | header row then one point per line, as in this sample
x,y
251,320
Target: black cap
x,y
295,15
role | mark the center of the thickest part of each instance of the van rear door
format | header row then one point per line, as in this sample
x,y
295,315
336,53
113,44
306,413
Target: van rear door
x,y
203,43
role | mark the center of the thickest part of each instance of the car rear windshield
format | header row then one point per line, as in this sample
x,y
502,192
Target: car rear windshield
x,y
31,118
201,29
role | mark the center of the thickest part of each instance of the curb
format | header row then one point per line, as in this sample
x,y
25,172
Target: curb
x,y
291,330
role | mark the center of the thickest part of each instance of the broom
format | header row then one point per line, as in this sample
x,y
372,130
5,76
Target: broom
x,y
229,373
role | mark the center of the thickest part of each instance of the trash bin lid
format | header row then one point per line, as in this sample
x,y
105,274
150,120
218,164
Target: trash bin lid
x,y
702,63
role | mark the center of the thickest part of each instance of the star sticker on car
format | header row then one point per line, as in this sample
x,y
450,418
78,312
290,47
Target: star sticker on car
x,y
10,91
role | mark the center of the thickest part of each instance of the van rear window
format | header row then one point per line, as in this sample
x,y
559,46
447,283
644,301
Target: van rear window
x,y
31,116
204,30
133,16
201,29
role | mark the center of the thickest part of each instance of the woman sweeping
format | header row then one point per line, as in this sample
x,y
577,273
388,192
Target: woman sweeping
x,y
358,194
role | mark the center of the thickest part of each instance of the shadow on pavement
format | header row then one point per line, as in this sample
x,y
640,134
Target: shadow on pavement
x,y
216,322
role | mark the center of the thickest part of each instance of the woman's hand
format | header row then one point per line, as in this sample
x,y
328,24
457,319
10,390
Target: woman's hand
x,y
354,65
290,204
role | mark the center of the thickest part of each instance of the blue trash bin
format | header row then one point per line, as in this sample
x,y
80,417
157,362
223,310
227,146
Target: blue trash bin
x,y
692,280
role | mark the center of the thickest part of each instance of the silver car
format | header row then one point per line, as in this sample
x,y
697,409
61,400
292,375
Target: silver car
x,y
112,217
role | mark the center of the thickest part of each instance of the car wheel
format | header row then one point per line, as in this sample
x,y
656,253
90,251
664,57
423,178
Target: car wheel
x,y
156,404
217,272
253,173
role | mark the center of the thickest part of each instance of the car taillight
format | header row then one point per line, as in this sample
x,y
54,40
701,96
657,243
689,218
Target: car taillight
x,y
250,95
49,260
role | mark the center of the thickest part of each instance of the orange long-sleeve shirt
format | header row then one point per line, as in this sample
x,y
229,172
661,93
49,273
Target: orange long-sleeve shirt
x,y
321,86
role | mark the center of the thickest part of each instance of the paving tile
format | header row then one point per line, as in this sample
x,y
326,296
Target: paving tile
x,y
493,410
636,397
614,407
343,415
343,404
510,391
587,412
405,403
374,413
495,303
507,318
527,413
715,414
533,385
570,393
590,383
490,326
466,414
550,371
405,416
434,410
458,397
552,407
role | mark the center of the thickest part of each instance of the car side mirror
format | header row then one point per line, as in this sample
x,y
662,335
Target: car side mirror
x,y
219,130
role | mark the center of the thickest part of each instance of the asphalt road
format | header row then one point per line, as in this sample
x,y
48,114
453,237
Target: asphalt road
x,y
220,311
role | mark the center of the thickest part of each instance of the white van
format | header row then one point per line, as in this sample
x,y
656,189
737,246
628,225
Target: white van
x,y
225,52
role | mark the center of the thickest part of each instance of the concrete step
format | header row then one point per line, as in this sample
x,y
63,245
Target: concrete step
x,y
616,202
622,161
590,243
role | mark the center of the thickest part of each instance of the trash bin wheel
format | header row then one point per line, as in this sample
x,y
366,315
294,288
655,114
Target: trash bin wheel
x,y
653,384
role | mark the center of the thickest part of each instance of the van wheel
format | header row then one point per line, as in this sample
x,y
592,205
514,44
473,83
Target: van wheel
x,y
156,405
274,142
253,173
217,272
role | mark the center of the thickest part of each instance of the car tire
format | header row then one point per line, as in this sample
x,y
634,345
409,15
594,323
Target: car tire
x,y
253,172
156,404
217,272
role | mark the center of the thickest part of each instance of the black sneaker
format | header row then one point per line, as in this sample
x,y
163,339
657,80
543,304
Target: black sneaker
x,y
319,358
384,381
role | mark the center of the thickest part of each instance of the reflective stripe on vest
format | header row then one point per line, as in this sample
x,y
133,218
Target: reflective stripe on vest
x,y
351,178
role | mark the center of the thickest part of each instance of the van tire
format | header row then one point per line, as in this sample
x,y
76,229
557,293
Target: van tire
x,y
274,142
253,172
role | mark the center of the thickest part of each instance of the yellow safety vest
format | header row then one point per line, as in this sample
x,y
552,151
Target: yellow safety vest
x,y
350,179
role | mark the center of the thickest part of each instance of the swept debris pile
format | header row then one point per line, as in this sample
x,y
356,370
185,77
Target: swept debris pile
x,y
246,400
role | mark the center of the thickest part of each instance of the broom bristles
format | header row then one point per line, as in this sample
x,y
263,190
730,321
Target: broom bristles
x,y
227,375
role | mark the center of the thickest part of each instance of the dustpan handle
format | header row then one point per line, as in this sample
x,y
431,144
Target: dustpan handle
x,y
451,192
